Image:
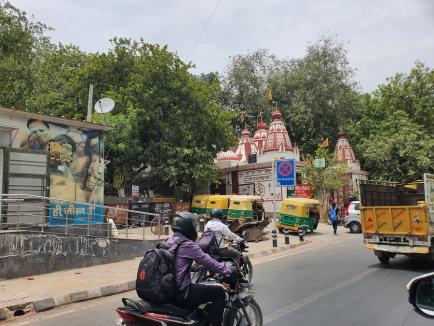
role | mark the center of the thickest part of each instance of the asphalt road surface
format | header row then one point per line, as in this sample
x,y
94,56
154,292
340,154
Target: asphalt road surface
x,y
337,284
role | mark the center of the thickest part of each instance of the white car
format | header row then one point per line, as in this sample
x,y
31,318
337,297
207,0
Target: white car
x,y
352,217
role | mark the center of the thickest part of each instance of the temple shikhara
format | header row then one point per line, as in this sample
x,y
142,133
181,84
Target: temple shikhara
x,y
345,155
246,169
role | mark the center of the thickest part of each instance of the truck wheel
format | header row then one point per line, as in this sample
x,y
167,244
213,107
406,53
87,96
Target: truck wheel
x,y
355,227
384,259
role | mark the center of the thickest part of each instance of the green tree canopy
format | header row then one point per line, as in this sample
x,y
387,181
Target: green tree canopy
x,y
316,93
394,139
20,39
165,117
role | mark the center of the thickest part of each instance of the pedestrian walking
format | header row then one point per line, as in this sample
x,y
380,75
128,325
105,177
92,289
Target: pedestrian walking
x,y
333,217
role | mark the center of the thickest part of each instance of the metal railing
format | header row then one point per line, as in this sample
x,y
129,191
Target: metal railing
x,y
32,213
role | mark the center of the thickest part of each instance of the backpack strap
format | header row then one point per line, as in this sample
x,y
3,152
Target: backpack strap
x,y
175,245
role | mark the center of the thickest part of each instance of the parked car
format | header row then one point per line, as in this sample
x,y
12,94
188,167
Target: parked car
x,y
352,217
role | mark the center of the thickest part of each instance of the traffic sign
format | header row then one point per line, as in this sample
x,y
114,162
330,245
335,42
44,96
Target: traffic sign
x,y
319,162
285,173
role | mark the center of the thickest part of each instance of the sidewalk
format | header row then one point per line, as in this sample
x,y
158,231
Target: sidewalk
x,y
43,292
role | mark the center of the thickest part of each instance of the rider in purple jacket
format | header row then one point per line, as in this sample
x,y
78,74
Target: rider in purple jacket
x,y
192,295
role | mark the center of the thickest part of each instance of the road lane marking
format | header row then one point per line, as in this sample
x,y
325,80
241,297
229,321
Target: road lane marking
x,y
314,297
282,255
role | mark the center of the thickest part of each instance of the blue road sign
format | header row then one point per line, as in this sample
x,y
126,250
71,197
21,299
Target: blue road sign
x,y
285,173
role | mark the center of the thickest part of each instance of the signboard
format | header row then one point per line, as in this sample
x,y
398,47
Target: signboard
x,y
319,162
429,194
246,189
290,192
285,173
135,191
303,190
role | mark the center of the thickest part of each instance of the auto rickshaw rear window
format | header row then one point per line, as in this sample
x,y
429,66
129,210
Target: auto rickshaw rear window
x,y
212,202
290,207
236,202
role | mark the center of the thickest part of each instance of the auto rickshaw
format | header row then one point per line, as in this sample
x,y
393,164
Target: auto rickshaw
x,y
198,204
295,212
218,201
245,208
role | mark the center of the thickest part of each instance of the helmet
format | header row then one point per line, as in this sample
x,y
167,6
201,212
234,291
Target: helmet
x,y
186,223
217,213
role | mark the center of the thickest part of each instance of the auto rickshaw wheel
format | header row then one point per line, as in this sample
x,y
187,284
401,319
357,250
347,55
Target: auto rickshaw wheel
x,y
281,230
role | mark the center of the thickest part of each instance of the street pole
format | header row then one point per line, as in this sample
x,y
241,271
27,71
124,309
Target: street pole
x,y
89,104
274,232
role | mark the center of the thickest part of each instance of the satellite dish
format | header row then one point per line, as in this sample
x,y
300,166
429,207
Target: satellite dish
x,y
104,105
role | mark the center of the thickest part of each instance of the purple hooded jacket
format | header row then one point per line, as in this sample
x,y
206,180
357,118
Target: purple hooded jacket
x,y
186,253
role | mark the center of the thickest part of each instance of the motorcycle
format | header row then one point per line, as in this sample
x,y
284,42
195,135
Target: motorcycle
x,y
244,265
241,308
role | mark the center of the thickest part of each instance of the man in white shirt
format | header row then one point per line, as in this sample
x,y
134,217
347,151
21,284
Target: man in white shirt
x,y
221,231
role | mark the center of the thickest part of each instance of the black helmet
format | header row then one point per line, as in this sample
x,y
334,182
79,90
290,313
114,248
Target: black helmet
x,y
186,223
217,213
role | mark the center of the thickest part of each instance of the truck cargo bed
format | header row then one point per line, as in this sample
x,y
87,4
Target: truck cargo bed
x,y
398,220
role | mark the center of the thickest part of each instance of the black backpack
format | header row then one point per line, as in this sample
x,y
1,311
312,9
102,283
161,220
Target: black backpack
x,y
208,243
155,280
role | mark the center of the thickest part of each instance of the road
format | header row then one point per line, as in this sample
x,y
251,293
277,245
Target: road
x,y
337,283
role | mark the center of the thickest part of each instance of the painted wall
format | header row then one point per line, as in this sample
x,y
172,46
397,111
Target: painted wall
x,y
76,166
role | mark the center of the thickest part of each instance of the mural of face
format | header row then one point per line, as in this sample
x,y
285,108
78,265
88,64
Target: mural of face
x,y
38,134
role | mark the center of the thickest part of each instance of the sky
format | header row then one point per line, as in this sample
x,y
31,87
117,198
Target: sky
x,y
383,37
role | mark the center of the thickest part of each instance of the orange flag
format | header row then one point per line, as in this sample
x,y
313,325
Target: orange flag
x,y
325,143
269,95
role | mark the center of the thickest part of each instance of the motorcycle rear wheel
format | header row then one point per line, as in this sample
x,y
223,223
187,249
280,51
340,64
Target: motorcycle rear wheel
x,y
237,318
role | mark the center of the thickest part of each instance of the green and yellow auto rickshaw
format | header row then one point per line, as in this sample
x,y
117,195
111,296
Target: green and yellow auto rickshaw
x,y
245,208
218,201
295,212
198,204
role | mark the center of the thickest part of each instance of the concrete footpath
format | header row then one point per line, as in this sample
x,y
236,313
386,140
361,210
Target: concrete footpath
x,y
42,292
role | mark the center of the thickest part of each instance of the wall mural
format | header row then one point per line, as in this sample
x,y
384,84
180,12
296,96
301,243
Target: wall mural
x,y
76,168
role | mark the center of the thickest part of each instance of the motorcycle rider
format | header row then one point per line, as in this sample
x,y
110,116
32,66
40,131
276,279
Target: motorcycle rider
x,y
221,232
192,295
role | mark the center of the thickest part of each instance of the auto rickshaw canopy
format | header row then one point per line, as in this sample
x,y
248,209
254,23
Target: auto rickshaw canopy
x,y
243,207
198,204
218,201
298,206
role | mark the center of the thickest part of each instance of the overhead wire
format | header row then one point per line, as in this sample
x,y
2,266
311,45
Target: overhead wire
x,y
203,29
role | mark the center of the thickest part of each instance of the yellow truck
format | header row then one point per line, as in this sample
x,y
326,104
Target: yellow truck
x,y
398,218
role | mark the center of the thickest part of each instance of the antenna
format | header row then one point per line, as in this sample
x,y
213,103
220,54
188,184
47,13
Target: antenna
x,y
104,105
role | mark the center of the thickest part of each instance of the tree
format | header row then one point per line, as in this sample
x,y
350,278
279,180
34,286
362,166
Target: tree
x,y
324,181
246,83
20,39
316,93
394,137
60,85
165,118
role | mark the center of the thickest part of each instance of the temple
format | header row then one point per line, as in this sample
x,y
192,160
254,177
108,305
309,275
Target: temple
x,y
344,154
246,169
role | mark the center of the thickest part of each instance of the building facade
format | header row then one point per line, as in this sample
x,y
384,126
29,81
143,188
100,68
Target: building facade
x,y
54,157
